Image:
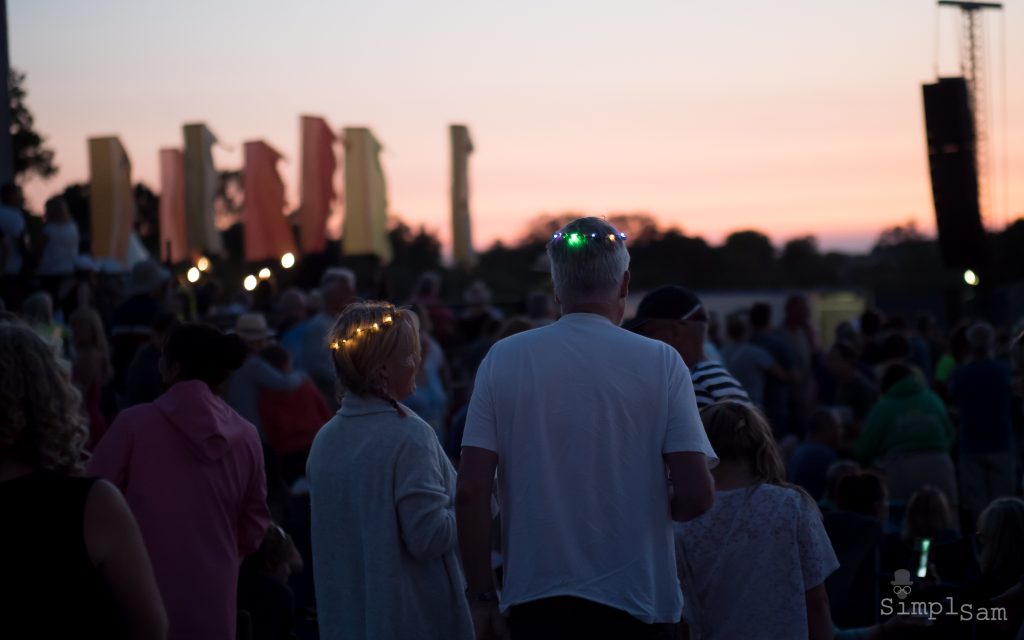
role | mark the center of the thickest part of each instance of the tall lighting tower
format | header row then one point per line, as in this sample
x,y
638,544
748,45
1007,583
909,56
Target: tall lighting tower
x,y
972,63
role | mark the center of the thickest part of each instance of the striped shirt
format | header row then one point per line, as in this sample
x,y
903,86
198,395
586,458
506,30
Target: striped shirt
x,y
712,383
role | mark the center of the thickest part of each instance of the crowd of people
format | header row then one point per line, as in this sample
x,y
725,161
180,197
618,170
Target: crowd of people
x,y
307,463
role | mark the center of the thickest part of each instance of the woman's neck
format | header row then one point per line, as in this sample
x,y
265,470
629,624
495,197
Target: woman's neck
x,y
733,474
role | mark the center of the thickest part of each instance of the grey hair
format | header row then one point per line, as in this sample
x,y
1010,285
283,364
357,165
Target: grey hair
x,y
335,274
594,269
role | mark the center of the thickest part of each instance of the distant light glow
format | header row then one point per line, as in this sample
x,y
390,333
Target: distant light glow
x,y
203,263
264,274
971,278
249,283
193,274
575,240
288,260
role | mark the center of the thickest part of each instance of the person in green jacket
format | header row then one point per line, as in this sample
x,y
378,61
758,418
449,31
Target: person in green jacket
x,y
908,433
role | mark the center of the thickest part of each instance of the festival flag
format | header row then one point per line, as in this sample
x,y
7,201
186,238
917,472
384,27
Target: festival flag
x,y
316,183
200,191
365,229
173,236
462,237
111,201
268,236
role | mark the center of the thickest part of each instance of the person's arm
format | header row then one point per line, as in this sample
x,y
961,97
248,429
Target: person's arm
x,y
819,616
426,515
254,517
114,544
686,450
477,465
693,489
817,562
473,511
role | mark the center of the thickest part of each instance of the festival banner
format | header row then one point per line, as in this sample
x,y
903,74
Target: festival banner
x,y
111,201
365,228
173,236
462,237
268,236
200,191
316,183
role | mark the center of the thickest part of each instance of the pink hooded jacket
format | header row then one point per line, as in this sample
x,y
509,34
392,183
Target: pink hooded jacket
x,y
192,471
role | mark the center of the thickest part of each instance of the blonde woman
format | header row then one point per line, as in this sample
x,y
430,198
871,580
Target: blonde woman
x,y
75,565
761,548
382,489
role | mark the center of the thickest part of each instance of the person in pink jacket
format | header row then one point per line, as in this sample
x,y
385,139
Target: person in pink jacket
x,y
192,471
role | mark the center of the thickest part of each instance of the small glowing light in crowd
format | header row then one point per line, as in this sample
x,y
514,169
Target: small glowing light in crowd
x,y
193,275
611,236
264,274
203,263
386,320
249,283
575,240
335,346
288,260
971,278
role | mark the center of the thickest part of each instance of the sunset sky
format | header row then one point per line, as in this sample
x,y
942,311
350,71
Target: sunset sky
x,y
793,117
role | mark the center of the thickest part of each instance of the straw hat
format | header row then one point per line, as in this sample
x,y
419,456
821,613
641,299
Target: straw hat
x,y
252,327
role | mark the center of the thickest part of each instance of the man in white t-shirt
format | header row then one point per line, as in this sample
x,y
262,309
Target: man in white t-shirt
x,y
580,419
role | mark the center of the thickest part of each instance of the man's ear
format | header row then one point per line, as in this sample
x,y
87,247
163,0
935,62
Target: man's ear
x,y
624,288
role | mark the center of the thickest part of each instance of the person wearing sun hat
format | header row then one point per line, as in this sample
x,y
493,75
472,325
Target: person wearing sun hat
x,y
677,317
256,374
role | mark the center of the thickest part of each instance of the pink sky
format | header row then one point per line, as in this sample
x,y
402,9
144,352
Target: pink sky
x,y
795,118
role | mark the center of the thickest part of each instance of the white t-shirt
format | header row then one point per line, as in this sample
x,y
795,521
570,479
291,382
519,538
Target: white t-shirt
x,y
60,251
12,226
580,413
747,564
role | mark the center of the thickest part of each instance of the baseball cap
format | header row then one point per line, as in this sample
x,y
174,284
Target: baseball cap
x,y
670,302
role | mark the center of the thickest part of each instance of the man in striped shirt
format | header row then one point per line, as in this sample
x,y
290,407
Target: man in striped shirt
x,y
677,317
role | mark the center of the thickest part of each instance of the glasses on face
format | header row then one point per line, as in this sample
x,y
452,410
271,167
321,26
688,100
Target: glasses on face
x,y
901,591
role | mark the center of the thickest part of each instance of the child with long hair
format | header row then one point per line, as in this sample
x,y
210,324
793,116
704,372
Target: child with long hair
x,y
90,367
754,566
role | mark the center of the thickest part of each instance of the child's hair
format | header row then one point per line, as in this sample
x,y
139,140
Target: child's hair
x,y
739,431
363,337
1000,530
204,353
277,356
86,318
927,515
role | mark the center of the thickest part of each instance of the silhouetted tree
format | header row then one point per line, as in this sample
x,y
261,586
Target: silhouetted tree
x,y
31,156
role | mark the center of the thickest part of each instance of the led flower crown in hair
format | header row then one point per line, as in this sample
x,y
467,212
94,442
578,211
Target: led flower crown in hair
x,y
577,239
385,323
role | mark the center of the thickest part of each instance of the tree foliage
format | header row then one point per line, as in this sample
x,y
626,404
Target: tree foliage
x,y
31,155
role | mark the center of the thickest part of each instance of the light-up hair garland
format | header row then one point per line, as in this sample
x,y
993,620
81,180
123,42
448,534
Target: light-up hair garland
x,y
577,239
385,323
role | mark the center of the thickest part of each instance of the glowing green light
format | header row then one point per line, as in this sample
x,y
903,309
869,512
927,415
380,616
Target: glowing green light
x,y
575,240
